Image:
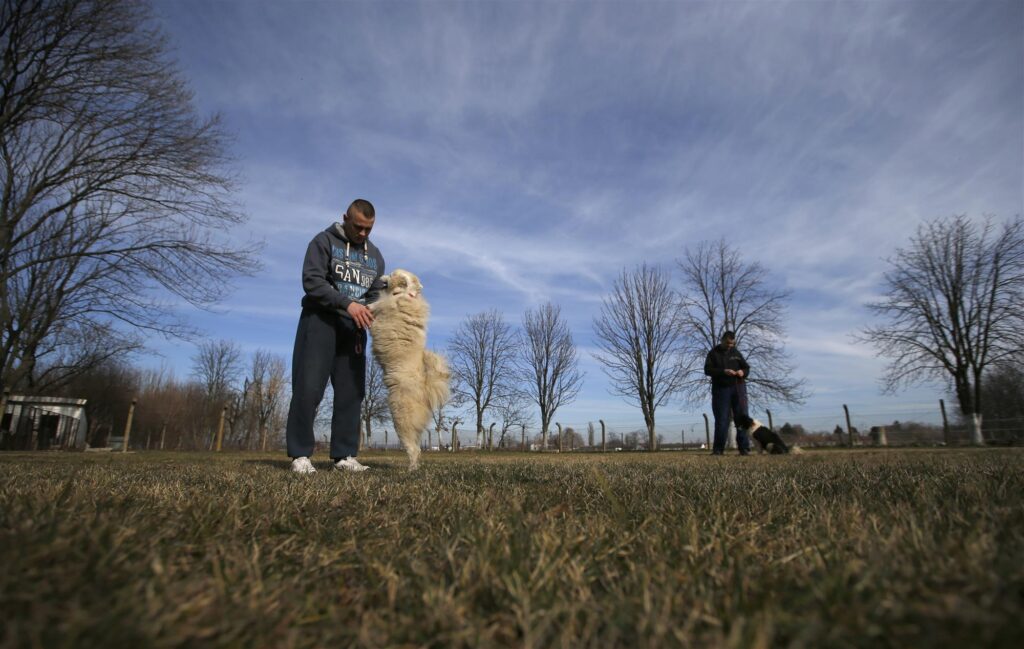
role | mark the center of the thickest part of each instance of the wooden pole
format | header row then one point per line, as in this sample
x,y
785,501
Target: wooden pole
x,y
559,436
769,419
849,428
707,428
163,435
604,445
455,438
490,437
522,437
128,426
945,423
220,428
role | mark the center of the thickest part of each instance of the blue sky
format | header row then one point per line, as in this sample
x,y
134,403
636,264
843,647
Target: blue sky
x,y
520,152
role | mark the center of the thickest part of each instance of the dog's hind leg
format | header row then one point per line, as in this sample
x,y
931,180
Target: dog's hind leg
x,y
410,419
412,449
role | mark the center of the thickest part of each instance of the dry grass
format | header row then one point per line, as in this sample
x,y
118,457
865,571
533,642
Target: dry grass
x,y
873,549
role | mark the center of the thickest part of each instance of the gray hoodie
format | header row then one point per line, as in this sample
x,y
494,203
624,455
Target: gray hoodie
x,y
335,273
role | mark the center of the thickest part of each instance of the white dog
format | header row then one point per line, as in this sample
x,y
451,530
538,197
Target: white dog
x,y
416,378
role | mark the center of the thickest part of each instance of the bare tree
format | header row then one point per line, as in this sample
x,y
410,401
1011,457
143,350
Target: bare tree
x,y
953,307
269,386
375,398
443,422
112,189
108,389
73,349
482,354
723,290
640,340
217,365
157,408
512,411
1002,392
549,361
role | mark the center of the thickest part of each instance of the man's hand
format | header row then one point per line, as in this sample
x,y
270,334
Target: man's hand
x,y
362,316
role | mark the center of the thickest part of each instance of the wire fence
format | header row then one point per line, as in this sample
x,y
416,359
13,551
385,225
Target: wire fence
x,y
847,427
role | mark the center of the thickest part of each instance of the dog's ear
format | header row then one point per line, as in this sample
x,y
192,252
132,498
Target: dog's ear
x,y
398,280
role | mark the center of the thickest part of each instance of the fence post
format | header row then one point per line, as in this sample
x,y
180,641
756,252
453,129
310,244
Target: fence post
x,y
163,433
559,436
490,437
220,428
769,419
128,426
849,428
455,424
945,423
604,443
707,429
522,437
3,407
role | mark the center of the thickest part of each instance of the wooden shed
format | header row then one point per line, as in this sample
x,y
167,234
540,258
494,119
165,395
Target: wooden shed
x,y
40,423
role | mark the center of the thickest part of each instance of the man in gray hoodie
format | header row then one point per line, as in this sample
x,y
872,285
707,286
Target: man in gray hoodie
x,y
341,274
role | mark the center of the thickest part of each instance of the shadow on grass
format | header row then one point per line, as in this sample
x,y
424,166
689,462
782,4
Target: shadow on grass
x,y
325,465
284,465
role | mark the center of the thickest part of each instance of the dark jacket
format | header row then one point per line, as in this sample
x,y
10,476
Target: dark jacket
x,y
336,273
719,359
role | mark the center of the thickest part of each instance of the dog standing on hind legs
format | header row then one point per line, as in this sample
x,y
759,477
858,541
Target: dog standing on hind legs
x,y
417,379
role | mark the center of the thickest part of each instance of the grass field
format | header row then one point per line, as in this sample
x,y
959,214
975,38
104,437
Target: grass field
x,y
912,548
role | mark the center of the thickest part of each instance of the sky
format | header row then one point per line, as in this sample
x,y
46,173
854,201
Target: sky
x,y
525,152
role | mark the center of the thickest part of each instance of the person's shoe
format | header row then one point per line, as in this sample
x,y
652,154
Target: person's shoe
x,y
350,464
303,465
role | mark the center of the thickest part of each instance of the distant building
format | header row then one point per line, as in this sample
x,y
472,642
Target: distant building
x,y
40,423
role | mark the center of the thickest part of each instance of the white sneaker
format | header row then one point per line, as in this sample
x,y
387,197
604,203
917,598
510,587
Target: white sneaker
x,y
350,464
303,465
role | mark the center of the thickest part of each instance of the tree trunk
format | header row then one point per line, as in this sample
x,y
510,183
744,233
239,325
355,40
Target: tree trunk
x,y
976,437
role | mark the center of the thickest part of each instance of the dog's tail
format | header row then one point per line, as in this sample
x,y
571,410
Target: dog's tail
x,y
436,376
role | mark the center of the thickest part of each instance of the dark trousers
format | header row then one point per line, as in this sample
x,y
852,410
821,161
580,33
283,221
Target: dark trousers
x,y
326,349
726,400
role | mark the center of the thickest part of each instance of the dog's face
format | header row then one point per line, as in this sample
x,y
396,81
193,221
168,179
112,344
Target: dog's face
x,y
402,283
747,423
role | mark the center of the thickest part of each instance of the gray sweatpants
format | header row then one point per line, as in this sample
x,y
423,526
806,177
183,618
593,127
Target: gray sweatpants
x,y
325,348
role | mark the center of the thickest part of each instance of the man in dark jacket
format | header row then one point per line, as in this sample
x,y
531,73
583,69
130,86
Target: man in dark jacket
x,y
340,276
728,370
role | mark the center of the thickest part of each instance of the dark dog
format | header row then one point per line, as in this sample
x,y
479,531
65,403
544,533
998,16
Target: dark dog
x,y
769,440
